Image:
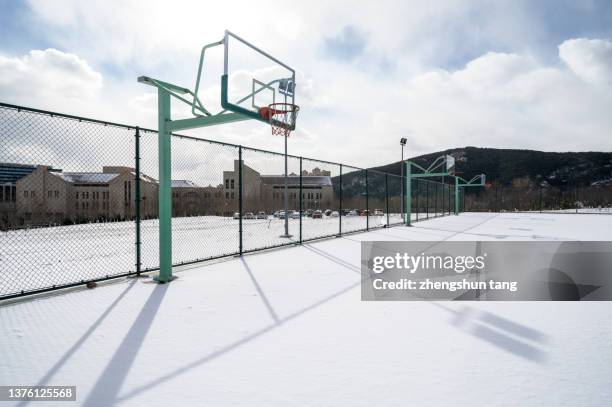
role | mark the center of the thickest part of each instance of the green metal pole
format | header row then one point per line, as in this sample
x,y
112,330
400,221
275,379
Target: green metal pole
x,y
165,188
436,200
286,235
300,198
240,200
367,202
137,200
449,199
408,197
387,196
456,196
416,198
340,209
426,199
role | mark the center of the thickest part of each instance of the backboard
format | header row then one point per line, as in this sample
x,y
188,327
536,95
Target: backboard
x,y
450,164
253,79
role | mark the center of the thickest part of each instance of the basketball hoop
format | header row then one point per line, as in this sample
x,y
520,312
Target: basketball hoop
x,y
282,117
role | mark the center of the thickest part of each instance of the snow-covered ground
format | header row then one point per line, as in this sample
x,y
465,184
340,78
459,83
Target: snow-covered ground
x,y
287,328
603,211
39,258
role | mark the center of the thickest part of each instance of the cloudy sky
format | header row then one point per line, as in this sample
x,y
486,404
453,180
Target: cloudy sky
x,y
444,74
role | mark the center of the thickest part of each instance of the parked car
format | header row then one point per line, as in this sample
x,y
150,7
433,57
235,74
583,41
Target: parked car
x,y
328,212
249,215
365,212
378,212
236,215
309,213
281,214
317,214
261,215
334,214
294,214
352,213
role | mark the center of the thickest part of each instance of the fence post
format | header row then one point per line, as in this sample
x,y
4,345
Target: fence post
x,y
408,195
340,209
387,196
443,210
137,199
240,198
456,196
300,197
416,193
449,198
426,199
577,198
540,198
436,201
367,202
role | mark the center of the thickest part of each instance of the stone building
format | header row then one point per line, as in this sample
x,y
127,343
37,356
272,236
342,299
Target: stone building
x,y
190,199
251,181
265,193
9,175
51,196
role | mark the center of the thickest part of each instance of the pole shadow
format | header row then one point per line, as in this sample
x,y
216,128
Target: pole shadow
x,y
106,389
505,334
64,359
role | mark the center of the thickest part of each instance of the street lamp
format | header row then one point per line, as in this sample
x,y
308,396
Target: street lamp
x,y
402,143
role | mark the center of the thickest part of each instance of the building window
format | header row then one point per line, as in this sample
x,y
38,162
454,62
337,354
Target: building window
x,y
32,194
13,193
49,194
232,195
57,194
227,195
2,194
25,194
227,184
232,183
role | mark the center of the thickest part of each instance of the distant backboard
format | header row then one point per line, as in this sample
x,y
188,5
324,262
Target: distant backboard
x,y
450,164
253,79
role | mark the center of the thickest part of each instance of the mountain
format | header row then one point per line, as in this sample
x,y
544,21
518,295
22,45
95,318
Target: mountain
x,y
506,167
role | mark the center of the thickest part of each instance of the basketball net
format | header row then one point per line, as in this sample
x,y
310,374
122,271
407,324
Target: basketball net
x,y
282,117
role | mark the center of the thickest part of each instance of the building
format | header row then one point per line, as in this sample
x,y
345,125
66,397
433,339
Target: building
x,y
190,199
251,189
9,175
266,193
48,196
317,191
42,195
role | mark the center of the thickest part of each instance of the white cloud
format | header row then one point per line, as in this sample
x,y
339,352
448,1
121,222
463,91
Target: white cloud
x,y
591,59
46,77
353,111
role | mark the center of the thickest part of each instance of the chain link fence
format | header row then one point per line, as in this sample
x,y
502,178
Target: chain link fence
x,y
79,200
585,199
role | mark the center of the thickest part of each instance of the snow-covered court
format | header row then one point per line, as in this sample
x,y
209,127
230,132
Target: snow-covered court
x,y
286,327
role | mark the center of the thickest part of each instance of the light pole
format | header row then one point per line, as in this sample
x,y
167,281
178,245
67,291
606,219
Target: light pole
x,y
402,143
